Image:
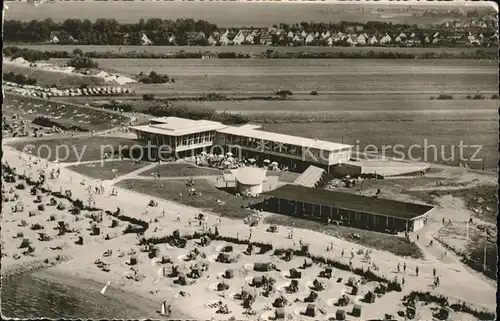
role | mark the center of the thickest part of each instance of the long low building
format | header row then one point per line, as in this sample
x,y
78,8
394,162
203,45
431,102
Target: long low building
x,y
348,209
183,137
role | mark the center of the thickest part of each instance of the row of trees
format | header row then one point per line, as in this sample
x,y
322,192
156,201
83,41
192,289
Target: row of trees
x,y
103,31
35,55
159,31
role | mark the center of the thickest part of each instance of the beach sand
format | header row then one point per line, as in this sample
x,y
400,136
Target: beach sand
x,y
154,287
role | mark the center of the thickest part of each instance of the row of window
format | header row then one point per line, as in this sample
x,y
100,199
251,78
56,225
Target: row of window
x,y
265,145
187,140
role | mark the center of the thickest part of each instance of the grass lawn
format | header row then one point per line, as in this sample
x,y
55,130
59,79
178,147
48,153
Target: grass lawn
x,y
181,169
70,150
379,241
170,189
103,170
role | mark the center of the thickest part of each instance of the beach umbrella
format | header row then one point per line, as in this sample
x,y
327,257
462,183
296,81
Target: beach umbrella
x,y
203,153
229,154
252,160
274,163
227,163
267,161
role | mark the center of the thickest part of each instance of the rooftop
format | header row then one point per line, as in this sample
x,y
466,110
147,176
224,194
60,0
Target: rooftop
x,y
249,131
249,175
347,201
175,126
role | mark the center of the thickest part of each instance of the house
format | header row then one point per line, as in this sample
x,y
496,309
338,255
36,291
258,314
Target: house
x,y
297,38
325,34
401,38
309,38
290,34
426,39
335,38
240,37
373,41
329,41
386,39
54,37
472,40
227,37
171,38
195,37
350,40
436,40
250,38
145,40
126,39
213,38
316,35
361,40
73,40
303,34
265,38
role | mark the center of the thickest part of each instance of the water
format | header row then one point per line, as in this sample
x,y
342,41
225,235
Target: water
x,y
33,297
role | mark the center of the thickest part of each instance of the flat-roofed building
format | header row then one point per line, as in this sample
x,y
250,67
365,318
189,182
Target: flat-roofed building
x,y
348,209
297,153
177,137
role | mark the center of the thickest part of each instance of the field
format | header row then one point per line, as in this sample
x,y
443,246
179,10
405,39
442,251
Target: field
x,y
84,118
248,49
169,190
256,76
46,78
226,15
104,170
178,170
71,150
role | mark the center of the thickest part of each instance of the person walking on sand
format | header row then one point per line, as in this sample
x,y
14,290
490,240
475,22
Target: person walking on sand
x,y
416,271
342,253
434,272
417,237
398,268
403,281
404,267
178,218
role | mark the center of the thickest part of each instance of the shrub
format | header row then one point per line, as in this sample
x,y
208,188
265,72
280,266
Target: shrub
x,y
283,93
78,52
478,97
445,97
154,78
494,96
148,97
314,93
82,62
19,78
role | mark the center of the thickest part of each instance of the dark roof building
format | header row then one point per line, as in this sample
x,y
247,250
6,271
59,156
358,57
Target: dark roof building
x,y
350,209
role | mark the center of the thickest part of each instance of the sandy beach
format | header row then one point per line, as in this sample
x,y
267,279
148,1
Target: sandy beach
x,y
151,275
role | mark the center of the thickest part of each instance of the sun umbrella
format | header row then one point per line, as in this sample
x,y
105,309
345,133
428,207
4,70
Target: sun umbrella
x,y
252,160
229,154
227,163
203,152
274,163
267,161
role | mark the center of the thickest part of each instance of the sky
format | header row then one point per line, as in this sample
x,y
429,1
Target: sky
x,y
224,14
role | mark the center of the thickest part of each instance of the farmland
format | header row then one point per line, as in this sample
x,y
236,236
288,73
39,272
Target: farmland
x,y
247,49
305,75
